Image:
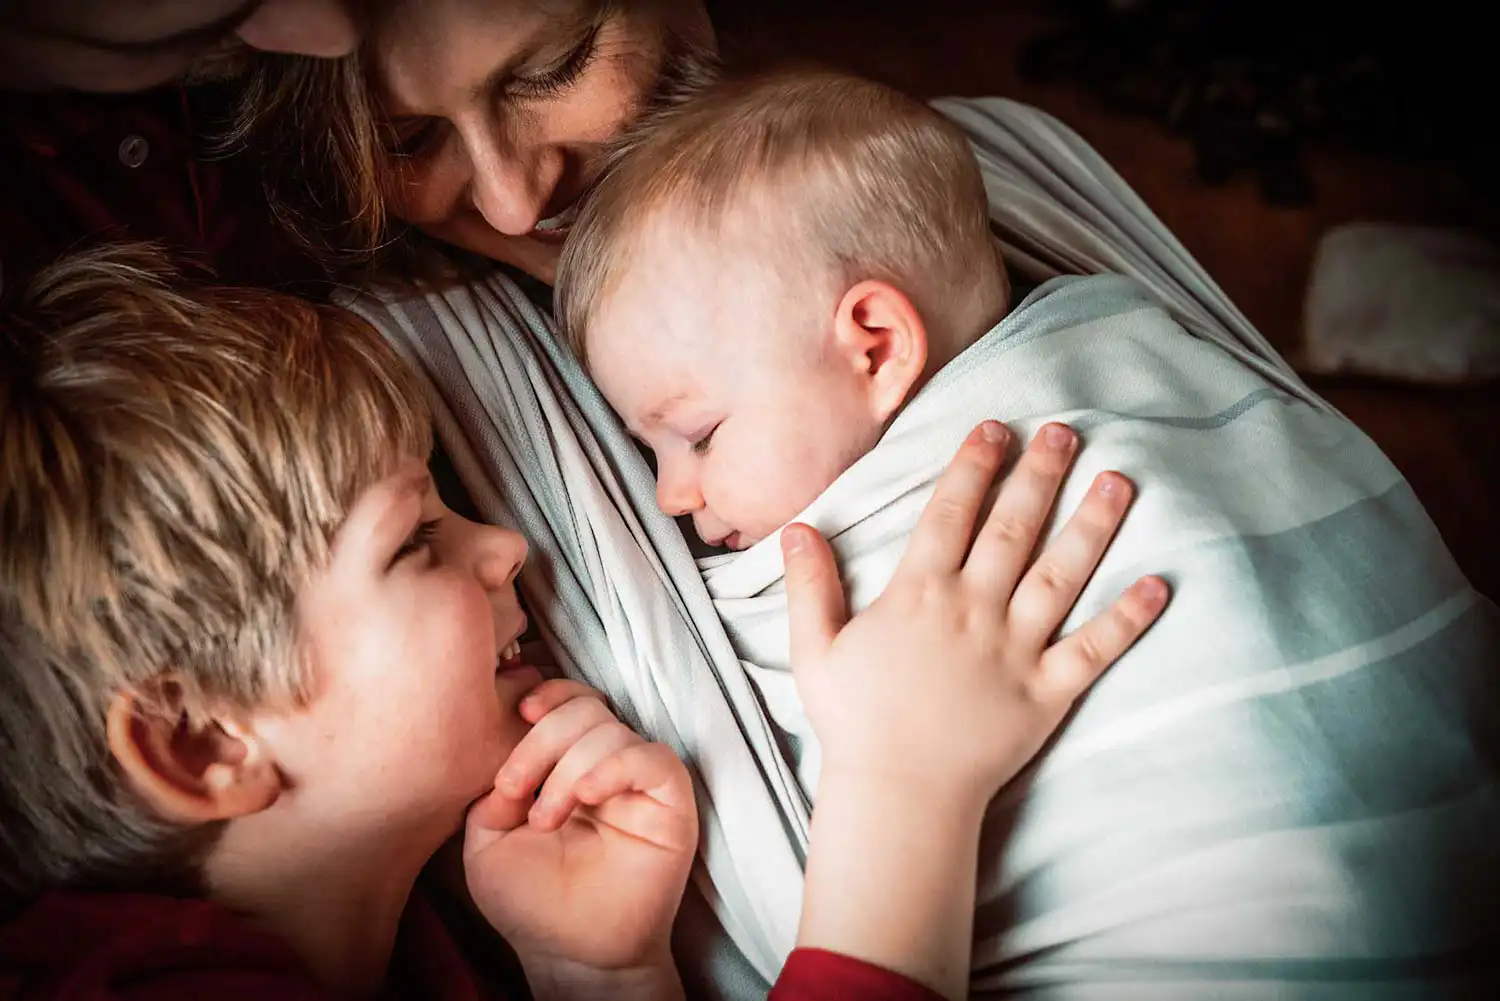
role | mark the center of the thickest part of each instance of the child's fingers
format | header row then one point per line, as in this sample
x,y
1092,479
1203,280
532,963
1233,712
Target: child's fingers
x,y
557,800
1049,589
541,749
1004,544
1073,663
644,790
816,609
547,696
650,769
940,542
491,819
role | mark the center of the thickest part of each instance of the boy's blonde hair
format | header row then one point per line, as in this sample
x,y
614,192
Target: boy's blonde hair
x,y
174,463
854,179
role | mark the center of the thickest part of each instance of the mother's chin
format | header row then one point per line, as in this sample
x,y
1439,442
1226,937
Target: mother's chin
x,y
536,254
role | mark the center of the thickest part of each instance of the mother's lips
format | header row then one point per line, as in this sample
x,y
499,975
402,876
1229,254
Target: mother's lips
x,y
557,225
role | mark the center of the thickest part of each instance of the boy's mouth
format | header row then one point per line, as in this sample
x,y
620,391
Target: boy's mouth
x,y
509,658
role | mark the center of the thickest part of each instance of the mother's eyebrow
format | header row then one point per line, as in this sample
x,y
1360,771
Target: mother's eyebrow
x,y
574,22
184,38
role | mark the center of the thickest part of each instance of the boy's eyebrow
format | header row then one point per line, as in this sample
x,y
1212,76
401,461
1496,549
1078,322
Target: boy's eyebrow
x,y
381,519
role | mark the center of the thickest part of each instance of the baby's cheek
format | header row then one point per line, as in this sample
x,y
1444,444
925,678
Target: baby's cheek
x,y
801,472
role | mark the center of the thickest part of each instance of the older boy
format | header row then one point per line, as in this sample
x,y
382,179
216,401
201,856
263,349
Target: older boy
x,y
251,658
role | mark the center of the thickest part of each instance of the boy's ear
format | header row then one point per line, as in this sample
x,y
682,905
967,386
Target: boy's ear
x,y
190,768
882,335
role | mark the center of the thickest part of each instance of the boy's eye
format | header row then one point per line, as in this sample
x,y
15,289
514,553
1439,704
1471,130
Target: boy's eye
x,y
702,445
419,539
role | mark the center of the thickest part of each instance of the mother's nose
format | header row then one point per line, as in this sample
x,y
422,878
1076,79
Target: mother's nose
x,y
512,185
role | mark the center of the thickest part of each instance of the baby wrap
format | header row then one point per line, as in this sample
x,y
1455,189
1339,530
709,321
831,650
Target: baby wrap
x,y
1287,788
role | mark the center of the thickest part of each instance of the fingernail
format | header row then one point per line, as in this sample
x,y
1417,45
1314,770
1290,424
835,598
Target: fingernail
x,y
993,431
1111,485
1153,590
792,542
1058,436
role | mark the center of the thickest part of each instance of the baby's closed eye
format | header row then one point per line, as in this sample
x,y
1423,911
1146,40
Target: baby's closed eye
x,y
701,444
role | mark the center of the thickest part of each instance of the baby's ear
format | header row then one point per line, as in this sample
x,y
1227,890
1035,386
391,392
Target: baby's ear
x,y
191,766
880,333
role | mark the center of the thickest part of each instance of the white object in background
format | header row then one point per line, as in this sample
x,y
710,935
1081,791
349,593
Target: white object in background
x,y
1405,303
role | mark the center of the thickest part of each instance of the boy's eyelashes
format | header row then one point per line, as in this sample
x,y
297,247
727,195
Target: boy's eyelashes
x,y
419,539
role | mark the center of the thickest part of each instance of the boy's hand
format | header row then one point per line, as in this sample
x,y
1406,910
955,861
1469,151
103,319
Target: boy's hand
x,y
951,680
586,878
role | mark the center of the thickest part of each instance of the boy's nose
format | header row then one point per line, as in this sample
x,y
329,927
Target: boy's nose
x,y
499,556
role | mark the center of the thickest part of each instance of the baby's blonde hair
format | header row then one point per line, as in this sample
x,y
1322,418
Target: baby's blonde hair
x,y
868,181
174,463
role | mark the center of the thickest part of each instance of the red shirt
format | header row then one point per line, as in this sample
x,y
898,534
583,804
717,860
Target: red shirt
x,y
76,169
138,947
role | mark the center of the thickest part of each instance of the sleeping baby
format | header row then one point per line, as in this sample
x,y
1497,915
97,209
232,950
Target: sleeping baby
x,y
766,279
787,288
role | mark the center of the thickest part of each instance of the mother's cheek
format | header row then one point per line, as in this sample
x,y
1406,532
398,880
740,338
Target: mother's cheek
x,y
427,193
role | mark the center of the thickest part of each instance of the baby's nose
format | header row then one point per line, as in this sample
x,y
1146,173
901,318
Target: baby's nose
x,y
678,495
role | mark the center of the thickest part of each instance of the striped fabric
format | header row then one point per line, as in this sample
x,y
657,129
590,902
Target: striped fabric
x,y
1288,789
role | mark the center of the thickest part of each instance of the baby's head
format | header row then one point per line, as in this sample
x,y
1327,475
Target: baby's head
x,y
219,594
768,272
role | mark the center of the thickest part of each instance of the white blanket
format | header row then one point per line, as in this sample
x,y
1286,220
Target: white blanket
x,y
1266,799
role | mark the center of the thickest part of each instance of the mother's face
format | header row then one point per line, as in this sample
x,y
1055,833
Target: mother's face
x,y
500,109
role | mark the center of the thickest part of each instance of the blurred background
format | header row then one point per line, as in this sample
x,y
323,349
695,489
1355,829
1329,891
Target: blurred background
x,y
1252,130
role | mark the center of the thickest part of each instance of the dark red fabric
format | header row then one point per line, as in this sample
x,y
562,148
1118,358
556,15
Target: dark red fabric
x,y
67,181
816,975
121,947
138,947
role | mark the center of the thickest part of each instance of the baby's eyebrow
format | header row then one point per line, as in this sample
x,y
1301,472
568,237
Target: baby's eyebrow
x,y
659,413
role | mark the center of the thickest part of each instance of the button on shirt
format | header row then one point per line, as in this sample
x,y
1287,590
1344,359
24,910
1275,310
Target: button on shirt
x,y
134,150
76,169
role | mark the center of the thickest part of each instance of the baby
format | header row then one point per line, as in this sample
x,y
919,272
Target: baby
x,y
787,288
767,275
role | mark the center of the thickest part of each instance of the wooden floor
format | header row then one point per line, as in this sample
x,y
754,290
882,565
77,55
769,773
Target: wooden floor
x,y
1443,440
